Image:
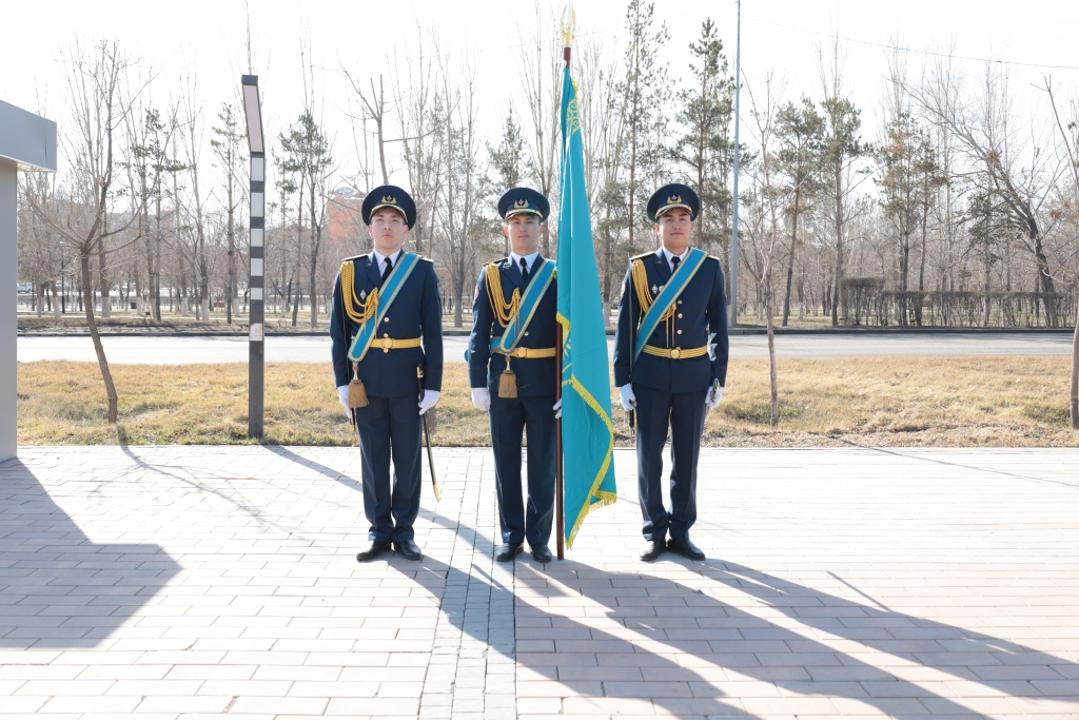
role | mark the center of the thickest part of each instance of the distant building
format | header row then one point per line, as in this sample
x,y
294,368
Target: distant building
x,y
345,233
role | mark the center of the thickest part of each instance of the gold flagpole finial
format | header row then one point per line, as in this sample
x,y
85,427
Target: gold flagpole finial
x,y
569,23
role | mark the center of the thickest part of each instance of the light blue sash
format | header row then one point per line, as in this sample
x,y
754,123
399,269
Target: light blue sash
x,y
386,295
671,292
537,286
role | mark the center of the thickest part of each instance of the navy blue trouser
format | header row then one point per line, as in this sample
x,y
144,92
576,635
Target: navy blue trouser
x,y
683,414
390,427
509,417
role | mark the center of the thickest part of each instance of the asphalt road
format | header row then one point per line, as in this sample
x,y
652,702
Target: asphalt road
x,y
184,350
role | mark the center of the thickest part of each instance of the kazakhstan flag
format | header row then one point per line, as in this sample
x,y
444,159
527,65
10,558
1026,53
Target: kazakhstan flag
x,y
587,434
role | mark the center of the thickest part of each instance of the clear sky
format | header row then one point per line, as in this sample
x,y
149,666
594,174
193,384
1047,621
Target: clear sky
x,y
205,39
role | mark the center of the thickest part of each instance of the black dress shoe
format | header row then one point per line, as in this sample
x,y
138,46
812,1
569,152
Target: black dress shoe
x,y
409,550
372,552
542,554
685,548
653,550
508,551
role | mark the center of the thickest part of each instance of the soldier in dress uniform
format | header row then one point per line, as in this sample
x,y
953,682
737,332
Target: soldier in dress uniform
x,y
386,328
670,364
511,367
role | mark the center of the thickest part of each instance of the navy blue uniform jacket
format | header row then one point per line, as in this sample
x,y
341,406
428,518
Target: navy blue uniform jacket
x,y
416,312
700,319
535,376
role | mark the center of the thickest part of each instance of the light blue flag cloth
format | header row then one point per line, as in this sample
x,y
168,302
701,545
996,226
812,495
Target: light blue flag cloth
x,y
587,434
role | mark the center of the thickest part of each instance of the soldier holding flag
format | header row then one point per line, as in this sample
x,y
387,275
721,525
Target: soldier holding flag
x,y
511,367
386,328
670,364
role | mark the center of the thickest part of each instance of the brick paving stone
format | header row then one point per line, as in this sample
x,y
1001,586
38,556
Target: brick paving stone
x,y
188,583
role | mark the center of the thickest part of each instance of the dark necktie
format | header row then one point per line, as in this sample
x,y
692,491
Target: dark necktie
x,y
524,270
674,263
386,272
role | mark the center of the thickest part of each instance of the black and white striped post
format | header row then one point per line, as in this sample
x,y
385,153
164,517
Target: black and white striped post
x,y
256,255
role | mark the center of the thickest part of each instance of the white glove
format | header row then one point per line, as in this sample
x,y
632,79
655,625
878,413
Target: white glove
x,y
629,400
342,395
430,398
715,394
481,399
557,409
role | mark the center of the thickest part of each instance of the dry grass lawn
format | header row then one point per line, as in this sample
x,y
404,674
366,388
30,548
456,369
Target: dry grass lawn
x,y
1005,402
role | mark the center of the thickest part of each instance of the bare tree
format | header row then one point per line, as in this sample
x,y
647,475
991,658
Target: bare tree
x,y
40,257
195,209
986,137
461,179
800,138
149,160
1071,153
414,95
603,125
375,107
542,89
843,147
100,111
768,206
227,148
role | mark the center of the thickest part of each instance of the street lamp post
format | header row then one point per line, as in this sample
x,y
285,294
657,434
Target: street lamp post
x,y
256,256
733,269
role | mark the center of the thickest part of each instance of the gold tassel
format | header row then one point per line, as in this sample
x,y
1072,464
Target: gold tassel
x,y
507,383
357,393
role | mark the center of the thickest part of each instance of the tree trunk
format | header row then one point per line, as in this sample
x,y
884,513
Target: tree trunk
x,y
904,279
296,306
103,280
1045,281
311,278
837,277
1075,377
230,290
95,335
773,376
921,260
790,259
316,243
459,291
155,259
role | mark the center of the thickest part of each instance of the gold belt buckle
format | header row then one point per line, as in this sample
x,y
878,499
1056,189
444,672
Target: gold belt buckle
x,y
387,343
522,353
675,352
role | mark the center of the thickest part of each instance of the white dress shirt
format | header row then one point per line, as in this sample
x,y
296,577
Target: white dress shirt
x,y
668,256
530,260
381,260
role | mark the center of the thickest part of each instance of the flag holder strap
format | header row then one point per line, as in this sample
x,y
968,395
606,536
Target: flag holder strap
x,y
560,506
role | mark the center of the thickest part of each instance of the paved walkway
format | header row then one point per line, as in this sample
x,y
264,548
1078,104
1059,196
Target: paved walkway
x,y
191,582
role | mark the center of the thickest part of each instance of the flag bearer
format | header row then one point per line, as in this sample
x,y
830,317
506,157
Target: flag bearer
x,y
511,367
